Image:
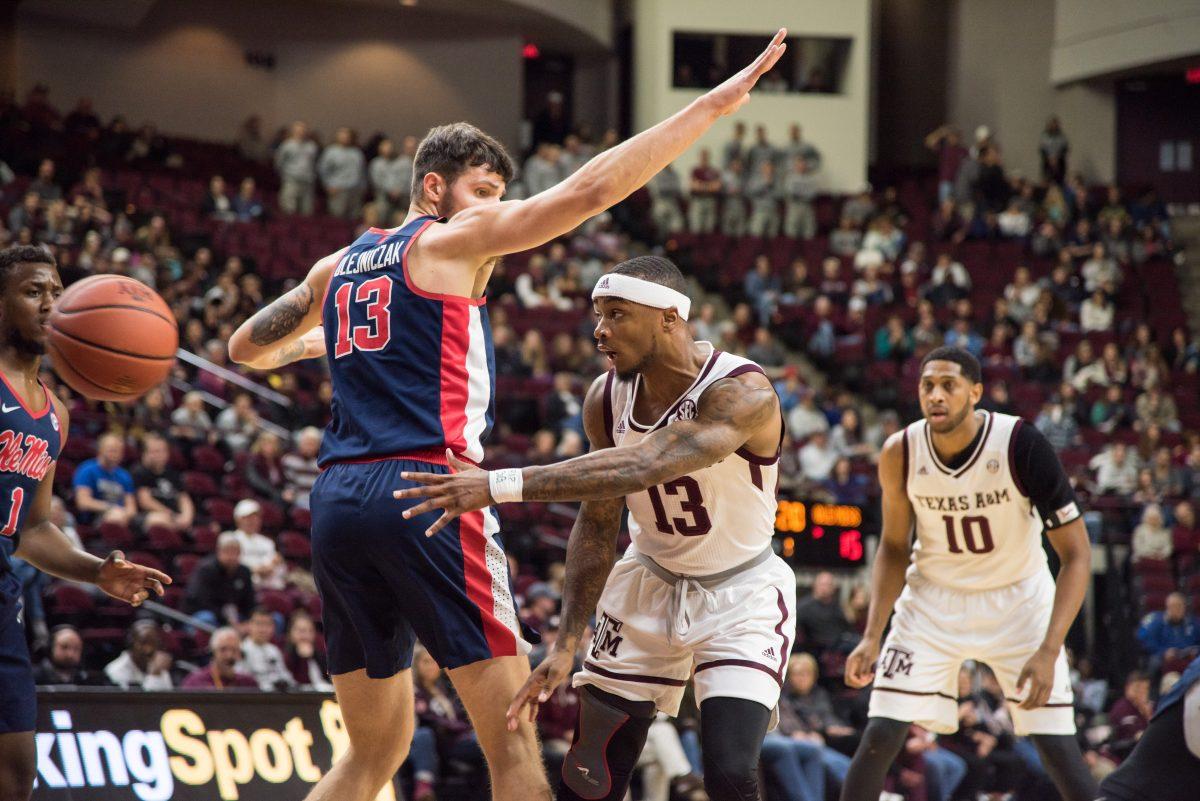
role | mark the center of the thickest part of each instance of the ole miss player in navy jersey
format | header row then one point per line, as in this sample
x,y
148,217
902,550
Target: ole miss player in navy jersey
x,y
33,428
401,315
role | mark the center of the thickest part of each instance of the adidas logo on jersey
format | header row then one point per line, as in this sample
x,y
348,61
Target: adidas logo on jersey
x,y
621,426
769,653
923,471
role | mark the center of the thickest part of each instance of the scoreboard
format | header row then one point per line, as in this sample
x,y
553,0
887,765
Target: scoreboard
x,y
809,534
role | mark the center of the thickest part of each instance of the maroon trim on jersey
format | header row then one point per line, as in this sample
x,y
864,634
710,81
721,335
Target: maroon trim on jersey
x,y
913,692
1012,458
755,473
24,405
416,290
755,459
608,407
635,677
666,416
742,369
983,438
904,478
432,456
740,663
1043,706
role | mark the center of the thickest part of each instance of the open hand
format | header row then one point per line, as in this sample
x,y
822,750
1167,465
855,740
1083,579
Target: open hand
x,y
127,581
734,92
540,685
463,490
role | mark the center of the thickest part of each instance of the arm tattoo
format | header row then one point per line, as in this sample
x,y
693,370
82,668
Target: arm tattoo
x,y
590,555
288,354
281,317
730,413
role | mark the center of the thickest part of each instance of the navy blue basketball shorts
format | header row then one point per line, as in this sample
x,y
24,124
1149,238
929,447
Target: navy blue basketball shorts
x,y
384,584
18,700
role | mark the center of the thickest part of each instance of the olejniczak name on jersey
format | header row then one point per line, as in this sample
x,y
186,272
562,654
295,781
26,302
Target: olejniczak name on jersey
x,y
962,503
365,261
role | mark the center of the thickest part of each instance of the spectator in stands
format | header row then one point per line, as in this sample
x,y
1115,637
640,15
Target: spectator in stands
x,y
767,351
962,335
264,469
246,206
666,198
1100,270
846,239
261,658
946,141
63,665
391,179
296,162
542,170
733,206
1152,539
870,288
845,486
1053,148
818,457
221,591
799,191
300,469
541,604
1130,715
45,186
342,169
250,143
948,281
813,705
705,189
238,423
1110,412
190,423
1116,470
26,215
159,488
439,710
892,341
217,205
222,671
735,148
143,664
257,551
820,616
303,656
1059,428
1154,407
762,288
763,194
806,419
104,490
847,437
1096,313
1185,536
1022,295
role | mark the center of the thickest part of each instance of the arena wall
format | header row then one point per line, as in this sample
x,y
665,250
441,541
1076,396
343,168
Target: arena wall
x,y
836,124
185,68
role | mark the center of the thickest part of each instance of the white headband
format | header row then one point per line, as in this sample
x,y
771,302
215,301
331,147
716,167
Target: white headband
x,y
647,293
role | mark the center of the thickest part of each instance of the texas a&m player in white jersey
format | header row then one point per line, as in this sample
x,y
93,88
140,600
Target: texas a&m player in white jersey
x,y
978,487
688,438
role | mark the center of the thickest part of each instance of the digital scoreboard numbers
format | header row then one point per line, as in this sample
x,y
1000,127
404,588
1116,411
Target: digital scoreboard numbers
x,y
820,534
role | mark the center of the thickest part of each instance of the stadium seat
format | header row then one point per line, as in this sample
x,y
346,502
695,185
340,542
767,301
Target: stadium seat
x,y
294,545
200,485
164,540
70,600
115,535
220,510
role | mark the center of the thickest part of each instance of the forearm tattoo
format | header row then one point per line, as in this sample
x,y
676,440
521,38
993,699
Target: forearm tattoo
x,y
591,552
282,317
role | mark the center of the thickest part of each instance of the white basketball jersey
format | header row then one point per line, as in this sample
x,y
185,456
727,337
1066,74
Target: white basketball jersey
x,y
709,520
976,527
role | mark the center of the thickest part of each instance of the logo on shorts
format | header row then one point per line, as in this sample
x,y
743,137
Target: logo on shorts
x,y
896,660
607,638
993,465
687,410
769,653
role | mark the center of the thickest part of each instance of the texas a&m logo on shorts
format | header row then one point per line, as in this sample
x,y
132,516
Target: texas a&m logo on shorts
x,y
607,638
896,660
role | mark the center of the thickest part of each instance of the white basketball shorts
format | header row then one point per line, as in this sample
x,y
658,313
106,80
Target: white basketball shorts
x,y
935,629
735,635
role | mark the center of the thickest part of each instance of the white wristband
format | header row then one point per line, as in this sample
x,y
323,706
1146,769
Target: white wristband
x,y
506,485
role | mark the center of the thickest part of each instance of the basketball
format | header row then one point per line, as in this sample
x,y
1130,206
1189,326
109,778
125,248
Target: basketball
x,y
112,338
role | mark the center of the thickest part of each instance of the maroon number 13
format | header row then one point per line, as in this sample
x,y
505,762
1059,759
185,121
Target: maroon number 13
x,y
691,505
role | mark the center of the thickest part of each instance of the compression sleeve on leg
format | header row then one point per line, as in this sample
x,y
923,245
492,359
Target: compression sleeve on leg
x,y
609,738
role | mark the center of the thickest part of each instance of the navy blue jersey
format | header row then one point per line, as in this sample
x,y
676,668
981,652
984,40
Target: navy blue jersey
x,y
30,440
412,371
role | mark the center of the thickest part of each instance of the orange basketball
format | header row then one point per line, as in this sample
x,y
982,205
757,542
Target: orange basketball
x,y
112,338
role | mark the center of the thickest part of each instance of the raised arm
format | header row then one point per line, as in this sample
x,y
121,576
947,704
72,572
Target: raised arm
x,y
288,328
591,551
891,560
731,413
496,229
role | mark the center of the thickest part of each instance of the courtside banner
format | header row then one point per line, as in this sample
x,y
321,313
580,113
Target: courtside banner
x,y
155,746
